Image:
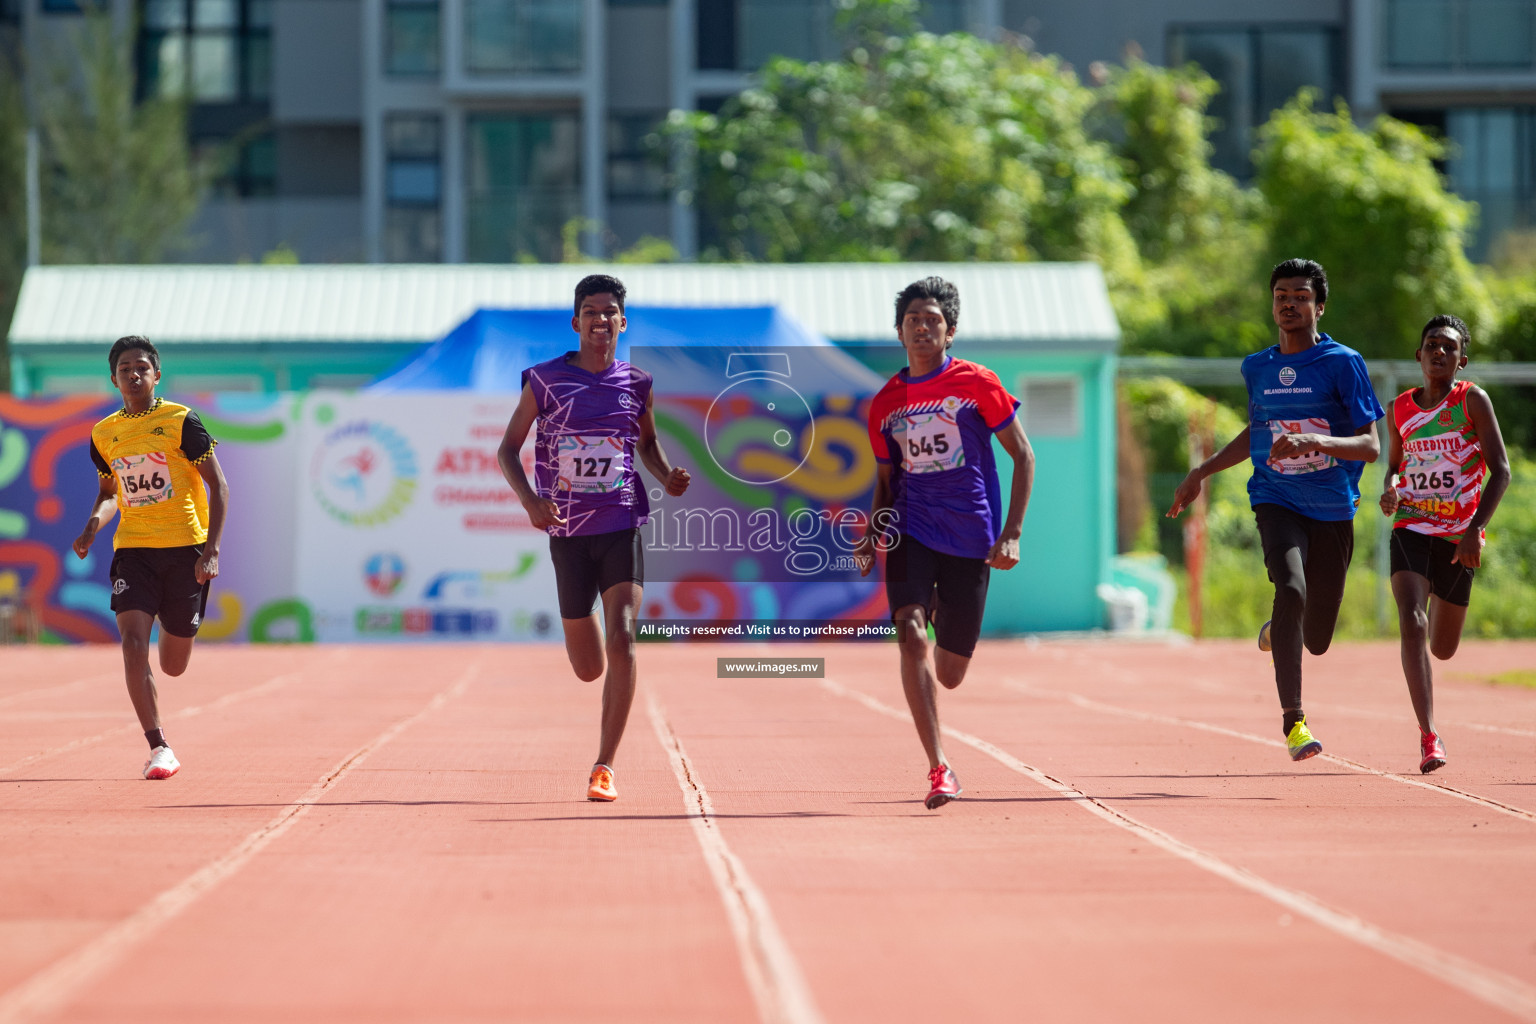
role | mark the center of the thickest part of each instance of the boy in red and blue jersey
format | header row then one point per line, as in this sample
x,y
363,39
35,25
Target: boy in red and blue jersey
x,y
1447,470
937,509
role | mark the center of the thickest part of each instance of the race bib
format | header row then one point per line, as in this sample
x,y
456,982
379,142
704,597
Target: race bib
x,y
1310,462
143,479
1431,477
590,465
930,442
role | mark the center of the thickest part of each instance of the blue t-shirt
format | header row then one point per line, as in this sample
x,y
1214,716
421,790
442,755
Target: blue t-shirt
x,y
585,447
1324,390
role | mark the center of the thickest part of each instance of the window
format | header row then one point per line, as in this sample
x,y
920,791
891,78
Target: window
x,y
247,167
1051,406
1459,35
411,37
522,36
1259,68
413,188
744,34
1493,163
213,51
636,164
523,180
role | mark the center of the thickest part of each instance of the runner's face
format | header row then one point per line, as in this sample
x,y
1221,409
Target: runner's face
x,y
135,376
599,322
1440,355
923,331
1296,307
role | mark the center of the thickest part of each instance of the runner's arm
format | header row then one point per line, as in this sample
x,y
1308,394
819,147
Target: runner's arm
x,y
1480,410
1389,495
864,551
1233,453
101,514
1005,550
673,478
542,512
1362,446
218,501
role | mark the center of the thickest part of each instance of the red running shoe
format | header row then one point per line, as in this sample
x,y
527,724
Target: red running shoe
x,y
1434,752
945,787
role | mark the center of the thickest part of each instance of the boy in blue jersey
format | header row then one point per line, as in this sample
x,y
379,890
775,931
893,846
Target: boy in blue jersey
x,y
1311,428
595,421
937,492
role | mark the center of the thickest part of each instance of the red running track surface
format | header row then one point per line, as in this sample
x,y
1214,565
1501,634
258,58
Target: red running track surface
x,y
401,834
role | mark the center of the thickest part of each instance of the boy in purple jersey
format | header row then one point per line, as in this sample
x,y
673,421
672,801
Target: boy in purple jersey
x,y
937,492
1311,428
594,417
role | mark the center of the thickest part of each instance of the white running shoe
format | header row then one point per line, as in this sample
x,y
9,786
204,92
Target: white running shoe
x,y
162,764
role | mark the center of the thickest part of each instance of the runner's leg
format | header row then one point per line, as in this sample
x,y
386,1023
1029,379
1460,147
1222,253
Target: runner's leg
x,y
584,646
1445,622
135,627
1412,591
1331,548
621,608
917,679
1285,551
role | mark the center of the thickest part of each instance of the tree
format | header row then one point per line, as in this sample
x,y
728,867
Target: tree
x,y
1369,205
911,146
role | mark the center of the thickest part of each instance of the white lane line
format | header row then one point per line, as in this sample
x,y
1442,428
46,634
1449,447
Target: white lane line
x,y
260,689
46,691
773,974
1493,987
1090,704
49,990
1442,723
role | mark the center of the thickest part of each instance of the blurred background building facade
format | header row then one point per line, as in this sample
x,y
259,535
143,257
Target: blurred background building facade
x,y
476,130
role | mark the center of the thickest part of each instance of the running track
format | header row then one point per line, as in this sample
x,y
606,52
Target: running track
x,y
400,834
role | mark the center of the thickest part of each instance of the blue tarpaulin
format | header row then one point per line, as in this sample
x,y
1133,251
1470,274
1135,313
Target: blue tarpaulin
x,y
489,351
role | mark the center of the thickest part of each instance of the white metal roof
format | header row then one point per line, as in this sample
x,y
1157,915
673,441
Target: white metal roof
x,y
1002,302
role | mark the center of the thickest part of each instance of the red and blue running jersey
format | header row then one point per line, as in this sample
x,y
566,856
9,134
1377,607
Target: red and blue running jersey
x,y
935,432
1441,478
585,447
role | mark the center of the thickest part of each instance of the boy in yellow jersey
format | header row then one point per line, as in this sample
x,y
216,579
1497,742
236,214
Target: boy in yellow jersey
x,y
156,463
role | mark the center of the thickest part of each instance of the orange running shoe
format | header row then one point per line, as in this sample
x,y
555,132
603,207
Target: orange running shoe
x,y
945,787
600,786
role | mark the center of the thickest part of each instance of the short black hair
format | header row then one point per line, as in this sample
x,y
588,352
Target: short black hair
x,y
594,284
128,343
1310,269
935,288
1447,320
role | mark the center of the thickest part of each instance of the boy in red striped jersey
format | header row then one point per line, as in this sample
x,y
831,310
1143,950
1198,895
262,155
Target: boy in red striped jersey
x,y
1442,440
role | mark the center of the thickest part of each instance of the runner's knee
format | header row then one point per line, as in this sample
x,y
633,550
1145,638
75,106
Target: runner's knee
x,y
1444,648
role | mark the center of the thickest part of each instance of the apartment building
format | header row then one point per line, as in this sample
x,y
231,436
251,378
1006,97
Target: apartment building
x,y
477,130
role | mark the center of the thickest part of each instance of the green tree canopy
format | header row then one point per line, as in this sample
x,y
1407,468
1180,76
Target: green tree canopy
x,y
912,146
1369,205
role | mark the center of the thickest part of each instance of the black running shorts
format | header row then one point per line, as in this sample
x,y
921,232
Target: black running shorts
x,y
1430,557
162,582
587,566
952,589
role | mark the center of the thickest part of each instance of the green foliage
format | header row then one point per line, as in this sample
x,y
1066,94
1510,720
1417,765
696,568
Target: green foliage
x,y
912,146
1369,205
120,184
648,249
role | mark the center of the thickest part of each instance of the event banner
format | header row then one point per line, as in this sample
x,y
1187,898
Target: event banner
x,y
385,517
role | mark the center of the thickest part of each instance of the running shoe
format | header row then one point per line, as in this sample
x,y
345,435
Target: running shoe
x,y
1264,636
1434,752
1301,743
600,786
162,764
945,787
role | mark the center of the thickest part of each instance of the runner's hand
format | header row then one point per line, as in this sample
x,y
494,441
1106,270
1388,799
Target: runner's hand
x,y
1289,446
1390,499
543,513
82,544
864,555
1470,551
677,481
207,567
1004,553
1185,495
